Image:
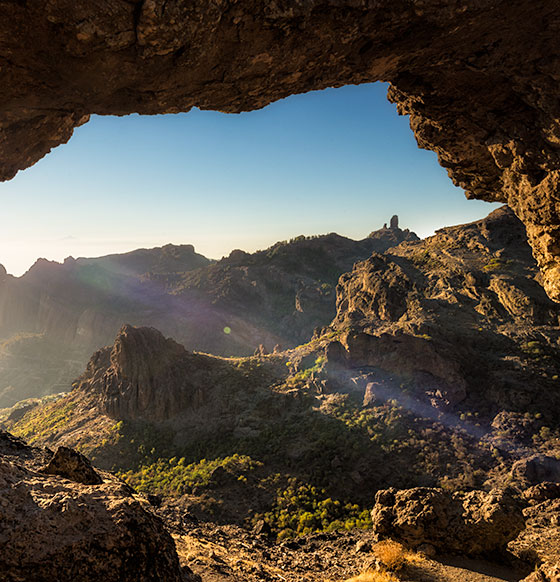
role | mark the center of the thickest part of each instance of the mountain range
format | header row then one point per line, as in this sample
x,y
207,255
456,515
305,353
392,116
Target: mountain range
x,y
438,375
55,315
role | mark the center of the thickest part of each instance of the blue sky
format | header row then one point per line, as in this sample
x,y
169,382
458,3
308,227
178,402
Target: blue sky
x,y
336,160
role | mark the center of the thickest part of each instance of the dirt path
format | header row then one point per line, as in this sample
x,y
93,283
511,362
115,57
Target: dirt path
x,y
229,553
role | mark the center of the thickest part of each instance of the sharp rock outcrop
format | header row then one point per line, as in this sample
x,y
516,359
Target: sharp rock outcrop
x,y
72,465
145,375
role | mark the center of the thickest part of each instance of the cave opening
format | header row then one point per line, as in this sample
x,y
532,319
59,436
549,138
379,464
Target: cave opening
x,y
337,160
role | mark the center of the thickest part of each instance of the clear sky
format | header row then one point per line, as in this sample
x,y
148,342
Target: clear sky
x,y
338,160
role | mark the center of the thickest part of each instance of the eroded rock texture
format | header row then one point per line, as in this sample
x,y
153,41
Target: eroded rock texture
x,y
55,528
474,523
479,79
145,375
461,314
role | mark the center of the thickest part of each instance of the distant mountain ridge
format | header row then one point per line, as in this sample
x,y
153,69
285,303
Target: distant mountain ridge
x,y
55,315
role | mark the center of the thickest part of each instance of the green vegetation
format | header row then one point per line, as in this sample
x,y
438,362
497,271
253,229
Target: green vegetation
x,y
427,260
306,374
496,264
43,421
175,477
312,460
533,348
301,509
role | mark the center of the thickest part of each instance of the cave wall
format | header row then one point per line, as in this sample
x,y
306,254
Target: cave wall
x,y
478,78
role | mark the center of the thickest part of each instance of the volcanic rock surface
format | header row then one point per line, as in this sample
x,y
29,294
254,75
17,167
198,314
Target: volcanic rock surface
x,y
144,375
461,313
53,528
479,80
474,523
72,465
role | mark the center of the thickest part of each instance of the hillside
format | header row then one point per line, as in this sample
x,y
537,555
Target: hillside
x,y
462,314
440,369
280,295
54,316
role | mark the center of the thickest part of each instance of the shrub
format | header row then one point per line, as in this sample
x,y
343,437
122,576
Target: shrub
x,y
43,421
172,477
301,509
391,554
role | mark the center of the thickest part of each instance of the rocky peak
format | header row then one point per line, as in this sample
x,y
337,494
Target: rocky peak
x,y
145,375
139,354
163,260
392,236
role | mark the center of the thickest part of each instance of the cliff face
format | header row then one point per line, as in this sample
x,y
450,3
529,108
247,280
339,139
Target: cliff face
x,y
479,81
461,312
146,376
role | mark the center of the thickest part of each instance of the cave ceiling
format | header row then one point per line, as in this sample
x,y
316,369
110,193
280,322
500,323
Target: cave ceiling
x,y
479,78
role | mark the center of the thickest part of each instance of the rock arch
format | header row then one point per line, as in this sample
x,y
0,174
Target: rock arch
x,y
478,78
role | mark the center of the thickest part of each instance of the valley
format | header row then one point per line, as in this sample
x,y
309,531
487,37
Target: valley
x,y
439,369
53,317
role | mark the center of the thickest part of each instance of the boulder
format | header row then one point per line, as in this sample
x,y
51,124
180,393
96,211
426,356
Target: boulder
x,y
473,523
72,465
537,469
53,528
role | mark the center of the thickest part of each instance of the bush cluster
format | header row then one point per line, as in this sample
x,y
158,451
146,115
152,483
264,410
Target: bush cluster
x,y
302,508
174,477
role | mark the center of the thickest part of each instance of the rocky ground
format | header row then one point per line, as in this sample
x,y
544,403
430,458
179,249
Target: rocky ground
x,y
63,519
224,553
